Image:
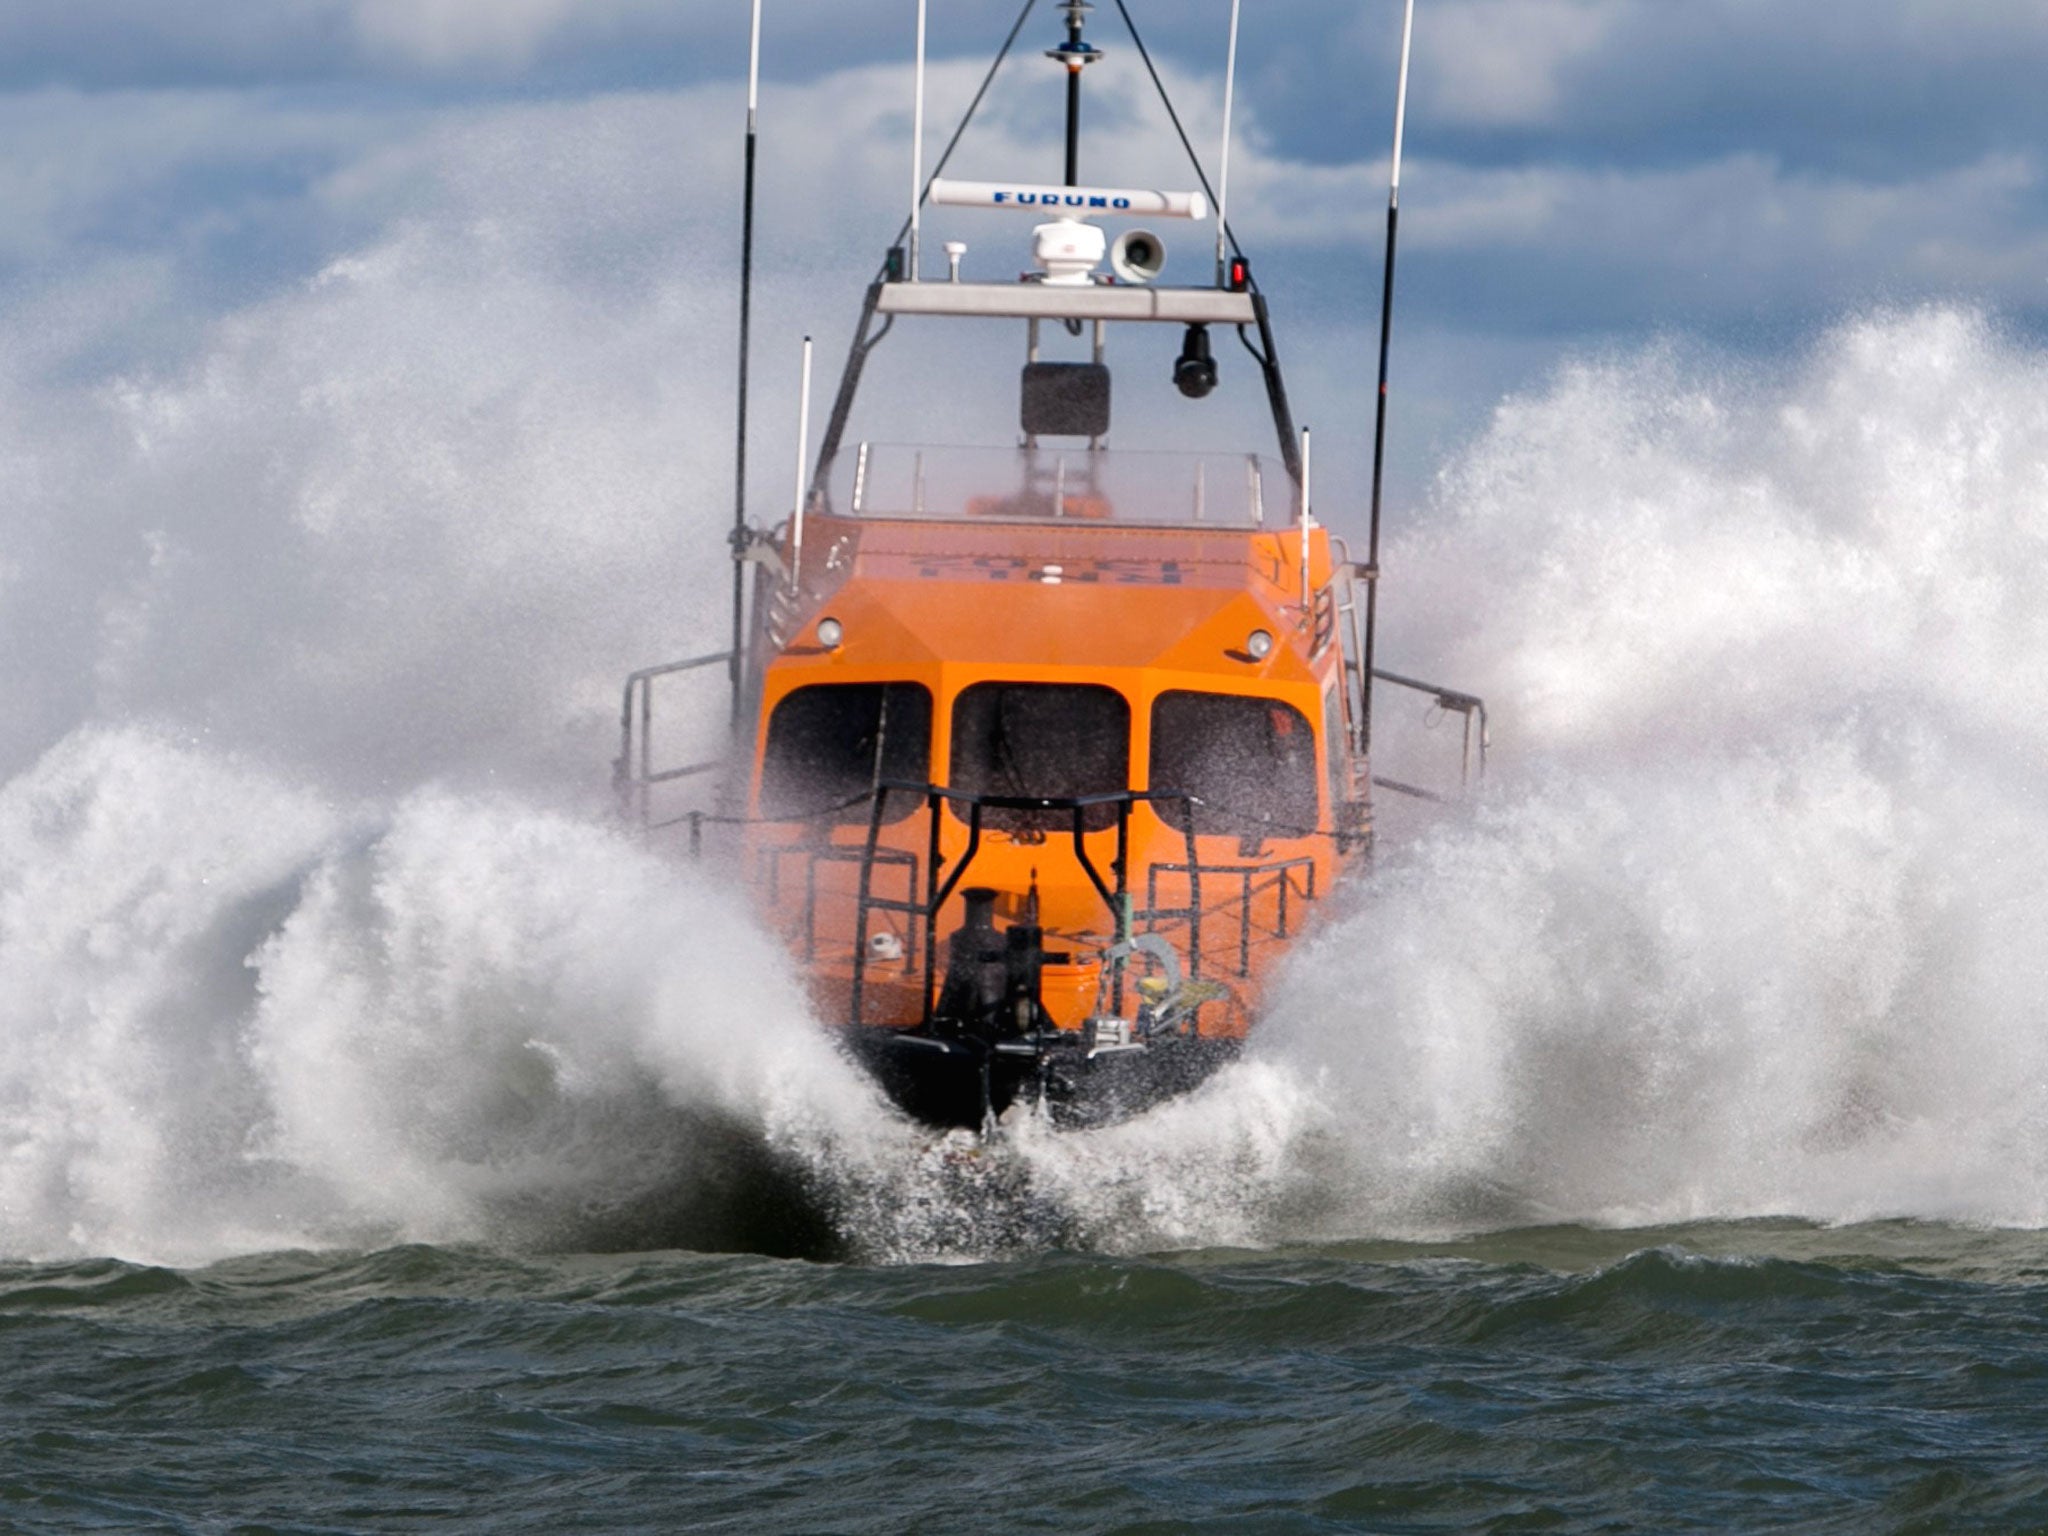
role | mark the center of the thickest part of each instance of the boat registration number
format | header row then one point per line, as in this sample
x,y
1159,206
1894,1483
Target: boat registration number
x,y
1110,571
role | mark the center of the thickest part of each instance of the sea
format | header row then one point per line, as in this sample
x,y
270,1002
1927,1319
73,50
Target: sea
x,y
1655,1139
1762,1375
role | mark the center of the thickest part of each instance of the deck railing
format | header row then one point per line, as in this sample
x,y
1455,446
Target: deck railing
x,y
634,776
941,881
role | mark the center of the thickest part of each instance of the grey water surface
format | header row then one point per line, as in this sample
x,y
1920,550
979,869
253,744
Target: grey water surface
x,y
1759,1375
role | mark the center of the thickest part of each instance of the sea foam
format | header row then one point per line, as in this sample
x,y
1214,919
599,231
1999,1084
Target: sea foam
x,y
1746,921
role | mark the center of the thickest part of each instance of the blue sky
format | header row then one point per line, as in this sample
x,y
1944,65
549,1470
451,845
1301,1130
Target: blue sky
x,y
294,264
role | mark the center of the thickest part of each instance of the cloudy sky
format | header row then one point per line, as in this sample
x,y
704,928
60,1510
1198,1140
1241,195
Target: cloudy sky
x,y
1582,170
326,266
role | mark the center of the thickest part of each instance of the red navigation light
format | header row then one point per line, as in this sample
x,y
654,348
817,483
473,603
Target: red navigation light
x,y
1240,274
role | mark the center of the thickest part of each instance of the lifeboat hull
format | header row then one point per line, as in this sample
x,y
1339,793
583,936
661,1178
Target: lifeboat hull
x,y
965,1082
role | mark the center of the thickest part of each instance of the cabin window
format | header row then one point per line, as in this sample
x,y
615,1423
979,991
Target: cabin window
x,y
1056,740
1251,762
830,742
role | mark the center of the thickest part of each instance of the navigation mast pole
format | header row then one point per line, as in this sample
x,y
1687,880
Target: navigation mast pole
x,y
1379,436
737,666
1077,56
917,148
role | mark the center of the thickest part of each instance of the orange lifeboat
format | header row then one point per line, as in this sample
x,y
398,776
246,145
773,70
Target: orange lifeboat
x,y
1033,797
1052,750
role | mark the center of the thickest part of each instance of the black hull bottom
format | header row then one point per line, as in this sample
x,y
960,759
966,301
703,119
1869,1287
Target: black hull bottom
x,y
962,1082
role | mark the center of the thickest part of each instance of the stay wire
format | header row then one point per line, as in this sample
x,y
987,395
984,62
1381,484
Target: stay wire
x,y
1167,101
974,106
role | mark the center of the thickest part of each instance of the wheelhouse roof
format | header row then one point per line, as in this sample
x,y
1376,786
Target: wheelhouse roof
x,y
1047,301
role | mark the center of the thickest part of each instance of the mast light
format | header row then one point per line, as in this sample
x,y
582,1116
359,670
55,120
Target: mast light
x,y
1074,52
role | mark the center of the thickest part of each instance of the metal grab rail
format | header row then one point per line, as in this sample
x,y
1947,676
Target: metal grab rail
x,y
940,887
1359,690
633,780
1245,874
840,853
940,879
1450,701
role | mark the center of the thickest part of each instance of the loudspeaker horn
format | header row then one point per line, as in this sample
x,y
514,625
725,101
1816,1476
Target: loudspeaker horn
x,y
1137,256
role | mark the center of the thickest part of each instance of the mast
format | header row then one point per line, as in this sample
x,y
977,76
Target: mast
x,y
917,146
1077,55
1379,436
736,666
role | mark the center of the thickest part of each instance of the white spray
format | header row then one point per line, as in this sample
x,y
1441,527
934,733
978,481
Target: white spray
x,y
1751,923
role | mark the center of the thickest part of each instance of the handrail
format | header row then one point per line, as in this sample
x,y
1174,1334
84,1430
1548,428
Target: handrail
x,y
942,878
1451,701
938,889
631,786
1245,875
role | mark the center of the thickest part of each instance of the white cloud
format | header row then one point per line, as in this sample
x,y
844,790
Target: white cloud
x,y
1496,63
1704,236
506,34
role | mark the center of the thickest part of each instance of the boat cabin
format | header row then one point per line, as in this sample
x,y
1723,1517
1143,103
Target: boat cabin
x,y
1098,687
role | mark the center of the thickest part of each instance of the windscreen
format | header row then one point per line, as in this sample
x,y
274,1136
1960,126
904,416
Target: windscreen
x,y
1056,740
1050,483
829,743
1251,762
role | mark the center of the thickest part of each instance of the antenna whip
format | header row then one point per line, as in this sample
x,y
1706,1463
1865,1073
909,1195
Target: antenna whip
x,y
1379,436
736,667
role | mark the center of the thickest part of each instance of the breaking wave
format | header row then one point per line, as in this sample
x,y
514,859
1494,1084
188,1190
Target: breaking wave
x,y
238,1018
1746,921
